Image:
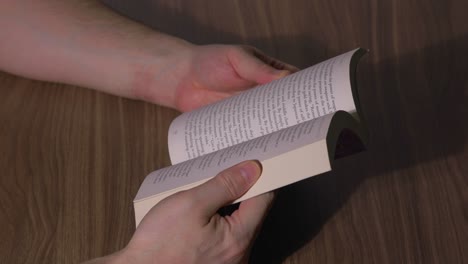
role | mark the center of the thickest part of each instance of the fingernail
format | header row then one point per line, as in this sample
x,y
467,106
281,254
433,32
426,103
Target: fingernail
x,y
250,170
282,73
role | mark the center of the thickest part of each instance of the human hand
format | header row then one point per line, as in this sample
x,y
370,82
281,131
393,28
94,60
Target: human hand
x,y
199,75
185,227
129,59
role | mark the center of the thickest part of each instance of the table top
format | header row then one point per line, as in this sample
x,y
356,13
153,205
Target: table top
x,y
72,159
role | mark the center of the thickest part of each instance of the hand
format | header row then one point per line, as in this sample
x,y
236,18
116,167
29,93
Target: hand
x,y
199,75
128,60
185,227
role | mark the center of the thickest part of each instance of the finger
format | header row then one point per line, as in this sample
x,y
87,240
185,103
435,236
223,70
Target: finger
x,y
226,187
247,220
251,68
275,63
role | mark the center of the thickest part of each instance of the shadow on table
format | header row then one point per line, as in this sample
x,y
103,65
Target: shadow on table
x,y
415,105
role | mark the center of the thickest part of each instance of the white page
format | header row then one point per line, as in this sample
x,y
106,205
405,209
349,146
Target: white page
x,y
261,148
305,95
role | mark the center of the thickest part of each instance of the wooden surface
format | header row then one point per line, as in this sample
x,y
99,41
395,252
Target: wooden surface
x,y
72,159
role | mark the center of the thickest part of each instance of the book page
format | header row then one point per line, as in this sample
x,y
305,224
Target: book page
x,y
299,97
208,166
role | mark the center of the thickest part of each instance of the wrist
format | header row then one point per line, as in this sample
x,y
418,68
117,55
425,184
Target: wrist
x,y
144,67
154,74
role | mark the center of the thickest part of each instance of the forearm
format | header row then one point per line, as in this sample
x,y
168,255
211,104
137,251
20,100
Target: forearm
x,y
84,43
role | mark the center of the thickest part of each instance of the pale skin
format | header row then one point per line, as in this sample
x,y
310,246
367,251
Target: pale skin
x,y
185,227
84,43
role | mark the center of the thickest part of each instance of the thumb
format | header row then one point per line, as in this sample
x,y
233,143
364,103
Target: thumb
x,y
226,187
253,65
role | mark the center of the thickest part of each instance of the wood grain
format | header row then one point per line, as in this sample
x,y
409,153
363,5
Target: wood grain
x,y
72,159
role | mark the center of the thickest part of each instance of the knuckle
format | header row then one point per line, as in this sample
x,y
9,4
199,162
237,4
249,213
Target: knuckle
x,y
228,181
236,53
235,50
183,199
235,249
247,48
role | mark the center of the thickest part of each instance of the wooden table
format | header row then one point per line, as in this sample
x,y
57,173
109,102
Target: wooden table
x,y
72,159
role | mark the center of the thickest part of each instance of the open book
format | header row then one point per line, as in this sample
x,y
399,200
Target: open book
x,y
295,126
